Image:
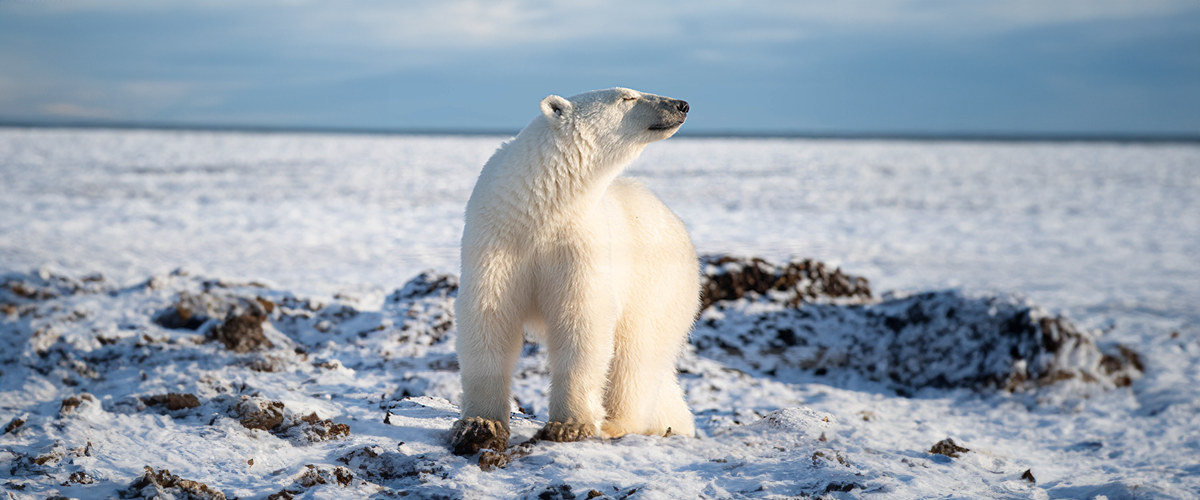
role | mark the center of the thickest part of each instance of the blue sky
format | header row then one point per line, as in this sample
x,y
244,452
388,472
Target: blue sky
x,y
856,66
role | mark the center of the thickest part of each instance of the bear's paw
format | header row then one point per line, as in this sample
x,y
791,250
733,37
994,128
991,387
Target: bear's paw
x,y
565,432
476,433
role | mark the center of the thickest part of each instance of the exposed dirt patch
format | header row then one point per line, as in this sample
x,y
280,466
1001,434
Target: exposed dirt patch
x,y
240,326
70,403
313,475
10,309
81,477
428,283
276,418
41,464
941,339
948,448
162,484
822,459
557,492
374,464
835,486
1120,365
1123,366
242,332
13,425
184,314
55,455
489,460
262,415
26,291
22,288
267,305
314,429
190,311
269,364
173,401
730,278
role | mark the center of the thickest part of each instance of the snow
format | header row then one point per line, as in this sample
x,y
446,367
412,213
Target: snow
x,y
328,229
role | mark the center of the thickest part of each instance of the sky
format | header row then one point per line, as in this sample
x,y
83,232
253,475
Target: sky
x,y
1075,67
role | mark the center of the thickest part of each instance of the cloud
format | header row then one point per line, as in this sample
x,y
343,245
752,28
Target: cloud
x,y
453,25
400,63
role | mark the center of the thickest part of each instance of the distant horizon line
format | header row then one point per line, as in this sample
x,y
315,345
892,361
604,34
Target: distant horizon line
x,y
700,134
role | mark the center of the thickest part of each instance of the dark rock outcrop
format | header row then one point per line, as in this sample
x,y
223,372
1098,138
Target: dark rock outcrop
x,y
729,278
934,339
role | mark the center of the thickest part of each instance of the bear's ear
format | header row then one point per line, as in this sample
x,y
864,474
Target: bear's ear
x,y
555,108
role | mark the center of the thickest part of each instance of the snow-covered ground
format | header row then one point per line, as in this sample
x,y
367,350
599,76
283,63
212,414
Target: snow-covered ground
x,y
333,224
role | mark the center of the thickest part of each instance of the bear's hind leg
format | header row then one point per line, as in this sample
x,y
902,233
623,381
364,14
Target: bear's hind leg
x,y
644,396
673,417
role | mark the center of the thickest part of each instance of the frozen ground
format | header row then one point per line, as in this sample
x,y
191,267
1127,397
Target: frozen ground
x,y
1107,233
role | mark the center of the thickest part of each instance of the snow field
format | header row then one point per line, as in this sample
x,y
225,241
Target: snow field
x,y
1104,232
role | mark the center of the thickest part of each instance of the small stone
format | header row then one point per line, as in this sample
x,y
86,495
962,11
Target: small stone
x,y
948,448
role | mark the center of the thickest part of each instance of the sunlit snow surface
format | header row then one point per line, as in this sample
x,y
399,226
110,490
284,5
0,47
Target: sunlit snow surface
x,y
1109,233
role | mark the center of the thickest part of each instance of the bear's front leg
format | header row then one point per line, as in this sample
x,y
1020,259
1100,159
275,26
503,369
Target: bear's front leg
x,y
489,342
579,336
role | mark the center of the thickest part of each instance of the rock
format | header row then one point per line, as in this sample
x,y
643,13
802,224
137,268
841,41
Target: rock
x,y
13,425
262,415
938,339
948,448
189,312
276,418
81,477
428,283
237,321
313,476
162,484
313,429
489,459
173,401
390,468
242,330
24,288
731,278
70,403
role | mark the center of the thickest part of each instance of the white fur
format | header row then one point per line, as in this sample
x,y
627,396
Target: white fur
x,y
603,271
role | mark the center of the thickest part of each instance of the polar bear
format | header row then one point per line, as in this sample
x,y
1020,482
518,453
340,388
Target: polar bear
x,y
594,265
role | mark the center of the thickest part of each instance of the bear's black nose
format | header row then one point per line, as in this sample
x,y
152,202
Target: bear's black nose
x,y
681,106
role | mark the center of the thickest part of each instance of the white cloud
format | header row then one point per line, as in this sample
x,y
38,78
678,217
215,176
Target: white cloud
x,y
473,24
389,35
154,58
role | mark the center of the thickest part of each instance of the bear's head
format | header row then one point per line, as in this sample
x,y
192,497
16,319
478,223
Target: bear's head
x,y
615,118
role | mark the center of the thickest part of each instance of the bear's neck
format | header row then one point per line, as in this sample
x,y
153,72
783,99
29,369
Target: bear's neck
x,y
556,184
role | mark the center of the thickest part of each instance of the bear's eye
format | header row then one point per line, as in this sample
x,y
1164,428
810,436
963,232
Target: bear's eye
x,y
627,99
